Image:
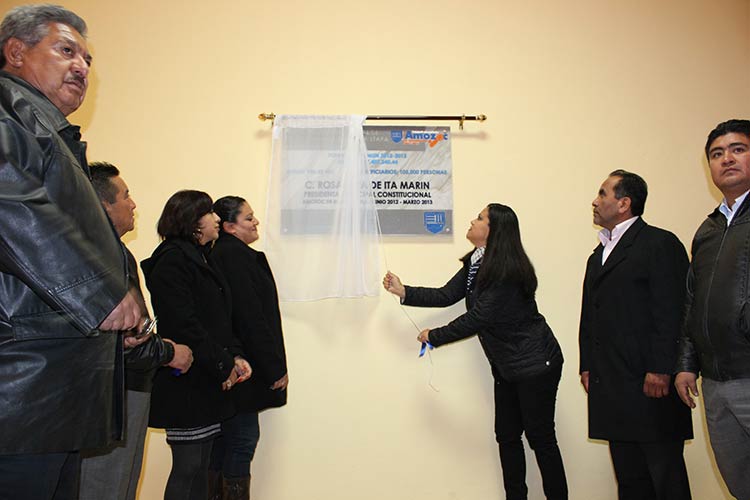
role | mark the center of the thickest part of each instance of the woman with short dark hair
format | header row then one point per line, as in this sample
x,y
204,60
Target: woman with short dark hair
x,y
498,283
192,303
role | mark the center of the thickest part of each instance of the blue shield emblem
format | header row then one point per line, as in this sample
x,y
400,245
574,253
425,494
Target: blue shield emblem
x,y
434,222
397,135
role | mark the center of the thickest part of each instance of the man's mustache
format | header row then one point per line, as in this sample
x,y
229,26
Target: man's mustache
x,y
77,79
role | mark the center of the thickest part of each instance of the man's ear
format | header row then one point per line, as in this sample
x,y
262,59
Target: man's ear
x,y
623,204
14,50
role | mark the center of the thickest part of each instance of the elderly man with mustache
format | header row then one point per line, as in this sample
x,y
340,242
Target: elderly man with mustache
x,y
63,282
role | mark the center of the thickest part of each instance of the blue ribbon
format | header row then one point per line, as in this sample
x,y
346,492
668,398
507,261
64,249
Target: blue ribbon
x,y
425,345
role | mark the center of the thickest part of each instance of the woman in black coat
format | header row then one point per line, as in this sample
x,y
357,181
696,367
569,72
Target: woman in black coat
x,y
192,303
498,282
257,324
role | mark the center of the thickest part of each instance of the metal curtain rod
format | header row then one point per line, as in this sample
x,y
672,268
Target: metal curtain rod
x,y
459,118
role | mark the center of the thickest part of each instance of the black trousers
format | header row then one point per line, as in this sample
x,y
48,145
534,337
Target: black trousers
x,y
528,406
650,471
46,476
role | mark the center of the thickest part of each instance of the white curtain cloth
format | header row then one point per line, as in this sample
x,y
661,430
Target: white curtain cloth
x,y
322,236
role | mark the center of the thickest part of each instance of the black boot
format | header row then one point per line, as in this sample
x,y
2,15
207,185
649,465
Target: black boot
x,y
215,485
237,488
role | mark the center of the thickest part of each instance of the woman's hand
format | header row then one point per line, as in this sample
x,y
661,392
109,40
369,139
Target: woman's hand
x,y
392,283
242,367
230,382
281,384
424,335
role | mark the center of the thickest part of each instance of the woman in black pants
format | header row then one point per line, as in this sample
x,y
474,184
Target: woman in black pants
x,y
192,301
498,282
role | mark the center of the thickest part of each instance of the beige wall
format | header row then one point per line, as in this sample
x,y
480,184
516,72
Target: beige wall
x,y
572,90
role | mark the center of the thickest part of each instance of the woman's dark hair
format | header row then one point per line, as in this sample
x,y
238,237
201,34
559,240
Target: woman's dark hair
x,y
504,259
228,208
181,214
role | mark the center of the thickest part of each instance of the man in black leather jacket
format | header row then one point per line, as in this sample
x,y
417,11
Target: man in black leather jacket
x,y
63,279
113,472
716,337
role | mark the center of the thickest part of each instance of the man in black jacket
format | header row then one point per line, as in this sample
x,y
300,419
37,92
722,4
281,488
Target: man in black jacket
x,y
630,321
113,472
63,283
716,341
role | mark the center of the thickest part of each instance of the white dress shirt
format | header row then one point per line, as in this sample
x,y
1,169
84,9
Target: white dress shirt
x,y
729,211
610,240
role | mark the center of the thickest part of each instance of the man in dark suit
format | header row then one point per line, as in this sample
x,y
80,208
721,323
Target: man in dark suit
x,y
633,295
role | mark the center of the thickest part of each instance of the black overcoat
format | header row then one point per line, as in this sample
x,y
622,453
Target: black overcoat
x,y
630,324
256,322
193,305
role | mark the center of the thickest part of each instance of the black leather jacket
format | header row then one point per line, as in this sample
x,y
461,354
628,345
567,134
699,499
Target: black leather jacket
x,y
142,361
62,271
716,335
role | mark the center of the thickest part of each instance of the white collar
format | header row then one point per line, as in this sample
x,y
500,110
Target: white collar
x,y
607,238
728,211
